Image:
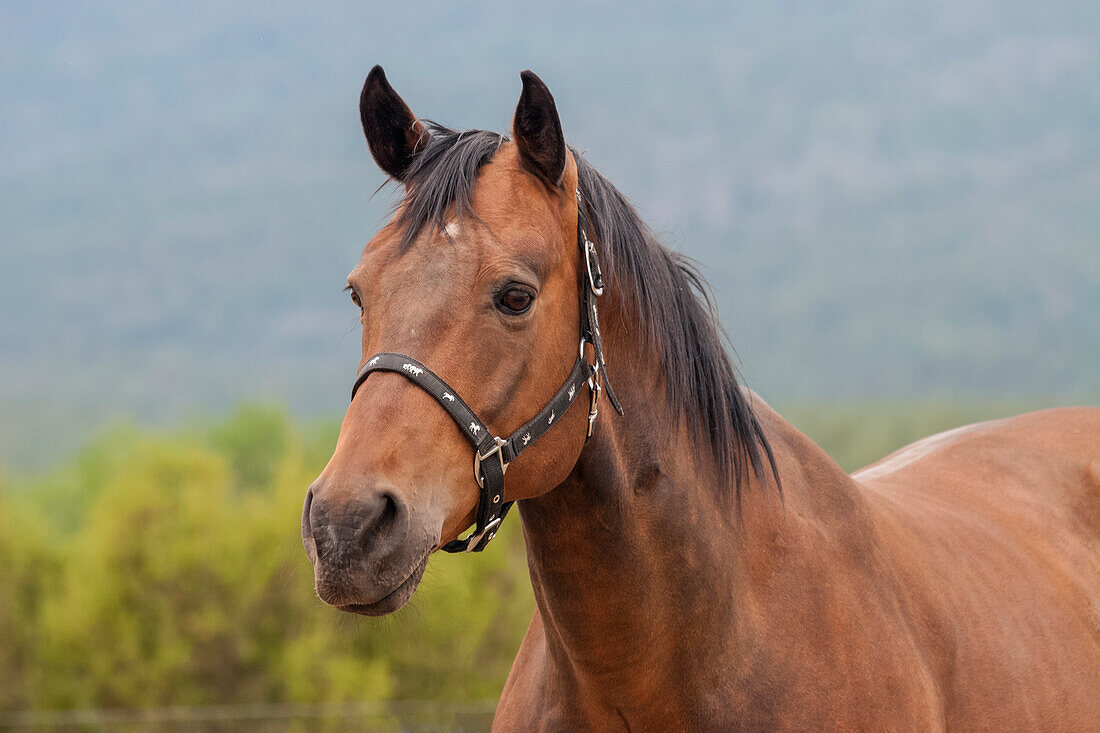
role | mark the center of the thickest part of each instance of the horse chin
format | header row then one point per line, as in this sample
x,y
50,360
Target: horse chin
x,y
393,600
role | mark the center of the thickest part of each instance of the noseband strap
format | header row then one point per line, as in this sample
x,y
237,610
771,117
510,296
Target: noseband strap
x,y
492,454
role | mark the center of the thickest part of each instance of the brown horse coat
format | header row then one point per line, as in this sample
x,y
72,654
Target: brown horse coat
x,y
955,585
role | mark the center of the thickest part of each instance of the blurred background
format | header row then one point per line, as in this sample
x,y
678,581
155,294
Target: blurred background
x,y
897,204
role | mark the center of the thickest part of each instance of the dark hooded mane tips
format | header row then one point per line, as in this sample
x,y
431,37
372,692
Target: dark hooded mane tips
x,y
662,289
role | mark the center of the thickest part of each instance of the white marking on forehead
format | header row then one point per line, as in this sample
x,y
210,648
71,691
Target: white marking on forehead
x,y
452,228
910,453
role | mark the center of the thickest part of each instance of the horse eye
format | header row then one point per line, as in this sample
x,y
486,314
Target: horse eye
x,y
514,301
355,299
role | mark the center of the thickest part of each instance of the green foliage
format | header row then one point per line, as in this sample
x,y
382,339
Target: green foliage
x,y
28,572
254,439
65,495
178,578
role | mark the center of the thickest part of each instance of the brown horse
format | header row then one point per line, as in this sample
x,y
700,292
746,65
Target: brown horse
x,y
698,564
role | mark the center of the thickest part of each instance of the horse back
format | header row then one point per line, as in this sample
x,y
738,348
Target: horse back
x,y
1036,474
994,530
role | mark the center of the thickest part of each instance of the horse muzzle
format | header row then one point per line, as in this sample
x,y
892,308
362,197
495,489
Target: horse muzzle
x,y
368,552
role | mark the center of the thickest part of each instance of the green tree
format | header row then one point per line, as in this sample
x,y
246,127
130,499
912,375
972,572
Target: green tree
x,y
29,568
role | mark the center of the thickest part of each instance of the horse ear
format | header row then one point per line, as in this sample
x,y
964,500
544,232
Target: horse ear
x,y
537,130
394,135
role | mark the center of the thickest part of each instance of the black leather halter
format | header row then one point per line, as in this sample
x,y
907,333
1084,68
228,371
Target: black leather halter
x,y
492,454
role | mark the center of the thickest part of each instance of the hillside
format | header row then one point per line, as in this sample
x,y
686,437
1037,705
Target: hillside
x,y
890,202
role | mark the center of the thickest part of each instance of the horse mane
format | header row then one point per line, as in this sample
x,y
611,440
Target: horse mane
x,y
662,290
670,300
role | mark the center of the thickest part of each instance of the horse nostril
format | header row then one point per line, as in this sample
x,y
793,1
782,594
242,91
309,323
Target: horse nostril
x,y
307,527
384,522
305,509
344,527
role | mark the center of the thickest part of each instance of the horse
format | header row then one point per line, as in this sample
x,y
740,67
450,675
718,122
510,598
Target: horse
x,y
697,563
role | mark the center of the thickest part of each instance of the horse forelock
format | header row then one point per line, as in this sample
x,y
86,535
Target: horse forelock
x,y
440,181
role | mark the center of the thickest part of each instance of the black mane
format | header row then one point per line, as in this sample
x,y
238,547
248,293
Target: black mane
x,y
662,290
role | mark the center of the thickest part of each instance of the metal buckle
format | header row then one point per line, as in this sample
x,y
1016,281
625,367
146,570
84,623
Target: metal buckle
x,y
478,458
594,389
595,278
595,281
475,538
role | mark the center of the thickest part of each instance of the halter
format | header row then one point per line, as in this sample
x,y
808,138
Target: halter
x,y
492,454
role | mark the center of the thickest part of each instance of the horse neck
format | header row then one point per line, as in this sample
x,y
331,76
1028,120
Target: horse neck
x,y
638,560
